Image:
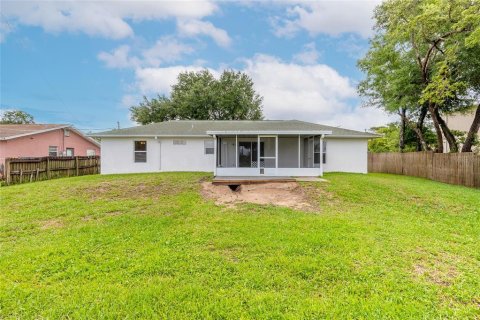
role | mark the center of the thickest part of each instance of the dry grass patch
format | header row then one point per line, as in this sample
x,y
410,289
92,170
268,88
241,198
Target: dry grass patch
x,y
439,269
51,224
290,194
114,190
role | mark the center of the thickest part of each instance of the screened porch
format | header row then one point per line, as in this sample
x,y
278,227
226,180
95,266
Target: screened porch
x,y
269,155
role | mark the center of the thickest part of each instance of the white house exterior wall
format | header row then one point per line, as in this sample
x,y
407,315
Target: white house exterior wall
x,y
346,155
117,156
188,157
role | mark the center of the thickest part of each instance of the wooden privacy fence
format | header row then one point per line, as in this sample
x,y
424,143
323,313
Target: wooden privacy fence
x,y
20,170
454,168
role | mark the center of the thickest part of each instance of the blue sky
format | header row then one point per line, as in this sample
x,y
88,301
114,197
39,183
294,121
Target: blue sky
x,y
86,62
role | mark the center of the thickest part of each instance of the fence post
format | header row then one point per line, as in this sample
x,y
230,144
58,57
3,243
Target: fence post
x,y
7,171
76,165
48,167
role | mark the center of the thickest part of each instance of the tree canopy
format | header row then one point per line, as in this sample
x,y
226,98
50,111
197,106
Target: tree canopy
x,y
389,141
16,117
200,96
423,64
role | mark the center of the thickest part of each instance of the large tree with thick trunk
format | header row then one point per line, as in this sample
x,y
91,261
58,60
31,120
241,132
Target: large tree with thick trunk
x,y
413,62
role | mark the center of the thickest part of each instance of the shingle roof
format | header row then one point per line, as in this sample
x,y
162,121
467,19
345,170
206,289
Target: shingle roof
x,y
200,128
8,131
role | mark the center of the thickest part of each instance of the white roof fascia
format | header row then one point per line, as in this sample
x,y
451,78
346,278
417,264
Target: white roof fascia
x,y
150,135
247,132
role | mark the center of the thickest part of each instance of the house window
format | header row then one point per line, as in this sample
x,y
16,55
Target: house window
x,y
324,152
70,152
316,151
90,152
180,142
52,151
66,132
209,147
140,152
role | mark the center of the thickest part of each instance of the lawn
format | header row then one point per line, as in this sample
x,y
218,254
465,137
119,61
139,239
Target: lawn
x,y
150,246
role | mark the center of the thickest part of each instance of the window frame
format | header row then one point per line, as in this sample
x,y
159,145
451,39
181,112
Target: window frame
x,y
138,152
324,151
50,152
73,152
179,142
206,147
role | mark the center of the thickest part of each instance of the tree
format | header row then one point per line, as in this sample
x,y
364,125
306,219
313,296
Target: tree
x,y
391,142
16,117
200,96
413,62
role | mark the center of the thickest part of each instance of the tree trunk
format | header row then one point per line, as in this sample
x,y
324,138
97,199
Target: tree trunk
x,y
438,130
452,141
467,146
403,122
418,128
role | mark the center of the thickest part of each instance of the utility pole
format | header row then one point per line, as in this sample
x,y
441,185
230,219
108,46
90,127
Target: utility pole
x,y
118,124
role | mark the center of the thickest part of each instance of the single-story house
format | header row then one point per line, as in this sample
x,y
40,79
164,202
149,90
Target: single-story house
x,y
41,140
235,148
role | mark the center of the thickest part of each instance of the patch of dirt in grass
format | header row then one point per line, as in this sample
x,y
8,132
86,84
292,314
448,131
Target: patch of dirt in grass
x,y
289,194
102,216
439,269
127,190
51,224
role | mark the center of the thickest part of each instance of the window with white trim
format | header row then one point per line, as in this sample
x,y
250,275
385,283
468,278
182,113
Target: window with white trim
x,y
52,151
179,142
90,152
324,151
209,147
140,151
316,151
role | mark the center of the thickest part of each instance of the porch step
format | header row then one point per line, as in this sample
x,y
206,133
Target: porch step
x,y
250,180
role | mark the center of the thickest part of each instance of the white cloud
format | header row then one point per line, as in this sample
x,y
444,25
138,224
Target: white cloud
x,y
160,80
5,28
100,18
195,27
129,100
314,93
119,58
166,49
309,54
328,17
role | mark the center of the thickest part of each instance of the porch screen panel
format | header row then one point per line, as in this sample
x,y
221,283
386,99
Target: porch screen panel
x,y
288,152
267,152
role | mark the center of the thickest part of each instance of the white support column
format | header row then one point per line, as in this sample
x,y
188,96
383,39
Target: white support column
x,y
276,151
236,151
299,152
215,163
321,155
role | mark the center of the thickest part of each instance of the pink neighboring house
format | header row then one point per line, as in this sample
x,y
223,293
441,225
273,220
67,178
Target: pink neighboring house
x,y
41,140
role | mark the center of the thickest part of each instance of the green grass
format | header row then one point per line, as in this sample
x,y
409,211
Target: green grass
x,y
149,246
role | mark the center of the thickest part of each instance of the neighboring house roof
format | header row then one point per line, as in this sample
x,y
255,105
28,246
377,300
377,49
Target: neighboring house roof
x,y
206,128
13,131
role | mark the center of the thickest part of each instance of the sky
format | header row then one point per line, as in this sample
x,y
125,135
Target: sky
x,y
86,62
